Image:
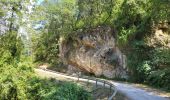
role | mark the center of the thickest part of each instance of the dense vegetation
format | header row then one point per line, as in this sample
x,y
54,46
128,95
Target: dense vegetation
x,y
134,21
18,82
43,89
17,78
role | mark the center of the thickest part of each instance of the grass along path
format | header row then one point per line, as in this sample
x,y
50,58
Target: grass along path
x,y
131,91
100,92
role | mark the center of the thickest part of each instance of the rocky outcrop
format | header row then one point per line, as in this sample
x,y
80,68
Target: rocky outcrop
x,y
160,36
95,51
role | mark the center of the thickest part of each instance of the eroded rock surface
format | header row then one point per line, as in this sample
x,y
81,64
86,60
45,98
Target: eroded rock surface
x,y
94,51
160,36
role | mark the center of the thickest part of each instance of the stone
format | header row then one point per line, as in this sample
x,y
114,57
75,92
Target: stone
x,y
159,39
95,53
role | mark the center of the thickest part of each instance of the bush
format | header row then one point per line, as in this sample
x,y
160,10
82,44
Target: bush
x,y
144,69
13,72
14,78
160,58
72,92
50,90
150,65
160,78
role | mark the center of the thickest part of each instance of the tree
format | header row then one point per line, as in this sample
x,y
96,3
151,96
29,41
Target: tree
x,y
13,71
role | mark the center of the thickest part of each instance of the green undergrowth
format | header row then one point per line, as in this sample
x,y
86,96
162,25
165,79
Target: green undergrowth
x,y
45,89
18,80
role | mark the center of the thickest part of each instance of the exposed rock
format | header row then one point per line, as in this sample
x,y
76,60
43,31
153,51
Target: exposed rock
x,y
73,70
161,36
43,66
94,51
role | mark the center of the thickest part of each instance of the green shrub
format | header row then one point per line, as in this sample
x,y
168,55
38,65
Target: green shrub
x,y
160,58
50,90
72,92
13,81
144,69
125,35
160,78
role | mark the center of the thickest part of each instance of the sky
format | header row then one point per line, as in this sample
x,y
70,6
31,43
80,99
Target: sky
x,y
40,1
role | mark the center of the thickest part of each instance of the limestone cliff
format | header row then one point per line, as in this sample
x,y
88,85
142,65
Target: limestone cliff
x,y
95,51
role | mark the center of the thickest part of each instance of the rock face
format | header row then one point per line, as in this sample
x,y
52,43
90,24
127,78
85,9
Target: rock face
x,y
160,36
94,51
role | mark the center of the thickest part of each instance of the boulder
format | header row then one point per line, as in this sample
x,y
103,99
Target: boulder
x,y
95,51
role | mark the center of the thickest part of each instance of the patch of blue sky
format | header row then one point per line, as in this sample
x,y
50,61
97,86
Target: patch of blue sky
x,y
39,2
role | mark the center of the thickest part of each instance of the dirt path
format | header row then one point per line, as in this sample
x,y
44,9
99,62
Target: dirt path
x,y
132,92
98,92
136,93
